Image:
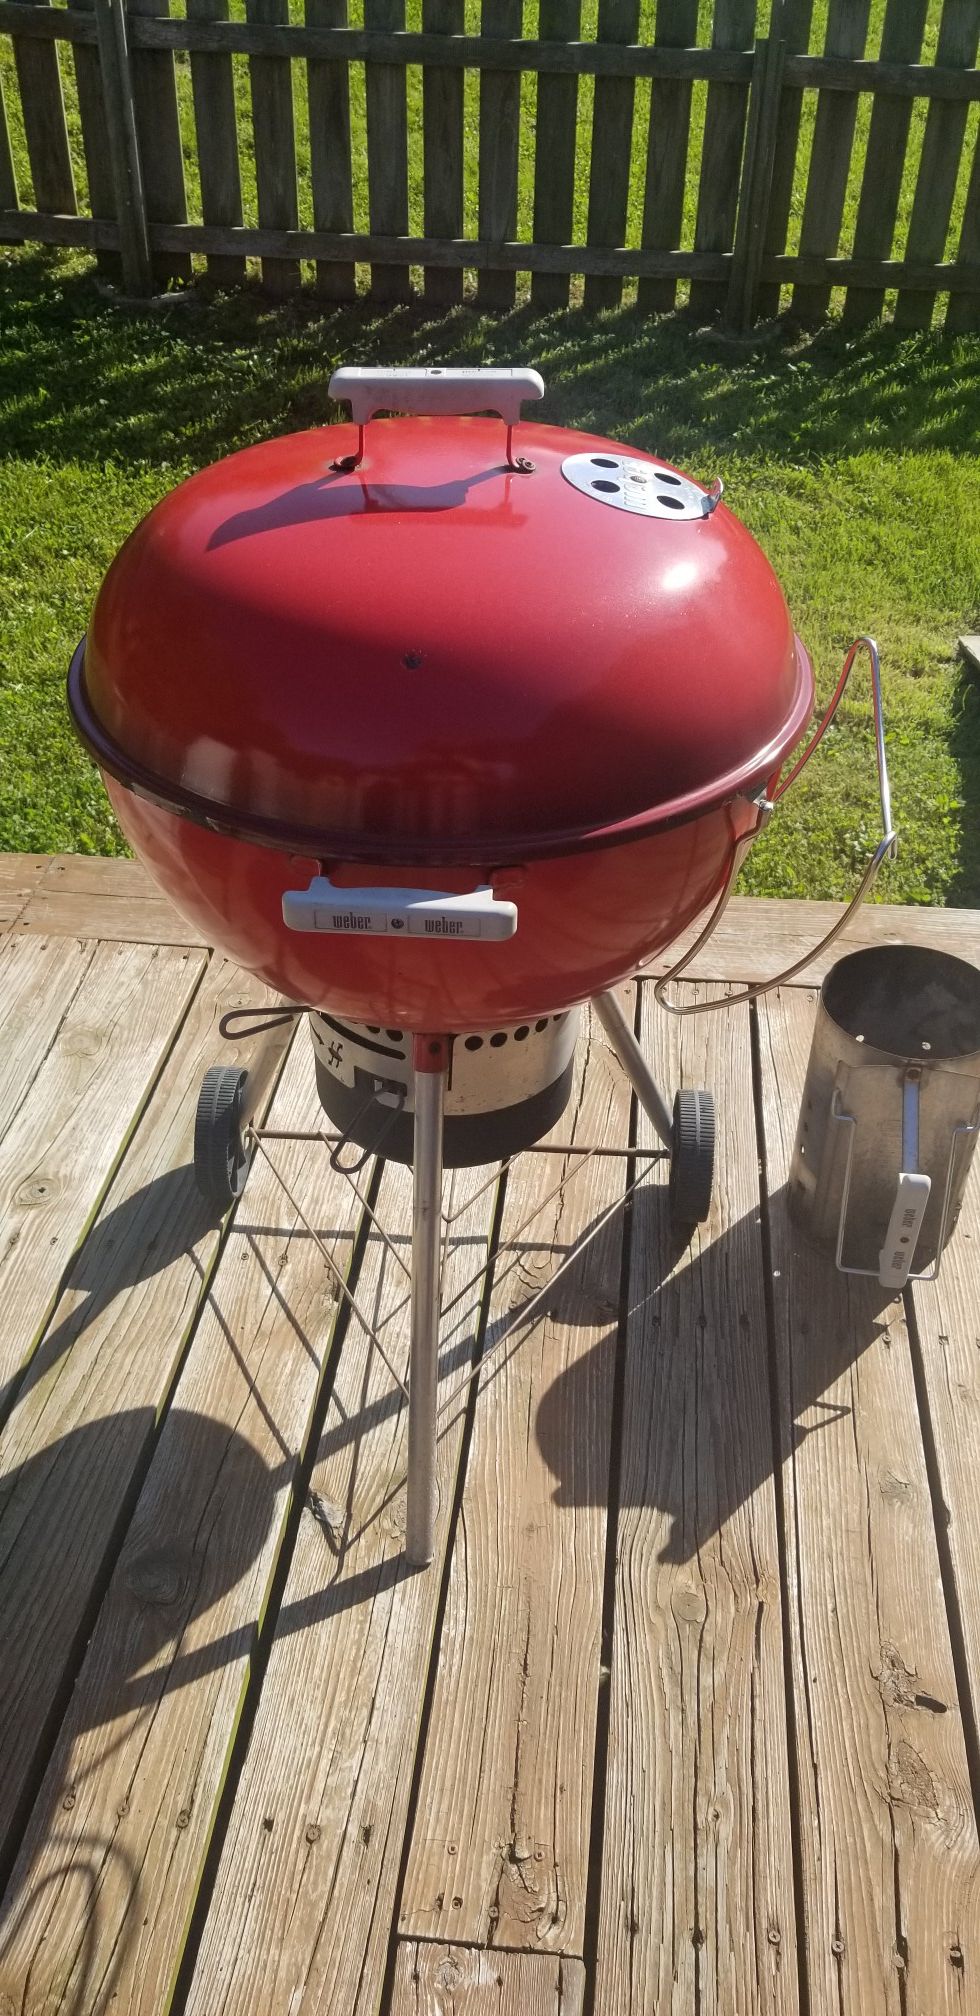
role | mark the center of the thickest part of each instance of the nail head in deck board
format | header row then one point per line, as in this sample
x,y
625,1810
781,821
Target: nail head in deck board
x,y
154,86
555,137
216,133
500,1841
442,135
939,162
140,1759
84,1419
457,1981
889,1855
499,153
299,1922
328,93
696,1903
830,156
667,146
387,152
38,983
271,84
884,163
612,147
59,1151
45,126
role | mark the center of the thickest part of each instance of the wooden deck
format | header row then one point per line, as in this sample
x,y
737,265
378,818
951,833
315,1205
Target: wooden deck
x,y
684,1717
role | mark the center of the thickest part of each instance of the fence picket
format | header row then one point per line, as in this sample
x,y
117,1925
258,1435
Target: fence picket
x,y
500,112
328,96
753,201
216,125
45,126
721,155
442,141
387,151
830,159
555,136
271,83
963,310
959,33
127,171
884,167
158,133
795,31
612,147
8,180
95,136
667,148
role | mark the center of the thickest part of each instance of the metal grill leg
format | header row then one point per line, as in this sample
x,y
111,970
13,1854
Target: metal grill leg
x,y
431,1063
635,1066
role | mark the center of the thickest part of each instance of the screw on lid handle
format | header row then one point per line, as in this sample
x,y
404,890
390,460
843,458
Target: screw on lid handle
x,y
436,390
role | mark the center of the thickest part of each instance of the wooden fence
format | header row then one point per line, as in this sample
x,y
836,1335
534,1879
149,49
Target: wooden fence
x,y
748,177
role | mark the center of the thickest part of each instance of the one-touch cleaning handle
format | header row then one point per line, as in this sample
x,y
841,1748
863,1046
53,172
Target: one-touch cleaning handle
x,y
435,389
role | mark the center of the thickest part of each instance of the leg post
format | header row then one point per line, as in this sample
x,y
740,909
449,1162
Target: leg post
x,y
431,1063
635,1066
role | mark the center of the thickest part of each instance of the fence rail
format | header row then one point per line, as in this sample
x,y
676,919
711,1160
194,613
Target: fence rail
x,y
754,93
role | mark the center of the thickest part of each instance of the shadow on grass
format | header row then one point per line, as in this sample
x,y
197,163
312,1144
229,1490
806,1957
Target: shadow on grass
x,y
84,377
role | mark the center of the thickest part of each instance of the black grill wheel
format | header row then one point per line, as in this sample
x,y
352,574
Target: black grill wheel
x,y
692,1160
221,1158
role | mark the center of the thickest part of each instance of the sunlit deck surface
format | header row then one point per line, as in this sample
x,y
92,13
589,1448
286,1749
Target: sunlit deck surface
x,y
683,1717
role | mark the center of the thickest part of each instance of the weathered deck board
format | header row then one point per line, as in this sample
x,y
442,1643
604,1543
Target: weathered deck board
x,y
73,1449
300,1916
500,1843
83,895
59,1150
458,1981
101,1894
947,1321
696,1906
38,983
888,1843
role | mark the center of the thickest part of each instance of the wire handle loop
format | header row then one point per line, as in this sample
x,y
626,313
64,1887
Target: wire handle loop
x,y
884,851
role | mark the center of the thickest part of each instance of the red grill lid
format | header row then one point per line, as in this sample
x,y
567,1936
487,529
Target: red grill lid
x,y
435,656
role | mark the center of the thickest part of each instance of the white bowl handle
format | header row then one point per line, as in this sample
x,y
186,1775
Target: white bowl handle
x,y
435,914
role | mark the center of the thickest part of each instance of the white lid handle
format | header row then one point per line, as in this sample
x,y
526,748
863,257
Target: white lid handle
x,y
435,389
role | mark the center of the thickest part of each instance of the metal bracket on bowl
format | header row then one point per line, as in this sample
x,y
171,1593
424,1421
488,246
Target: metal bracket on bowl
x,y
765,807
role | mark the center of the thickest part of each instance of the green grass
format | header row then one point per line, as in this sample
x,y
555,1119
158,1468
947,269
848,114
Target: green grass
x,y
852,459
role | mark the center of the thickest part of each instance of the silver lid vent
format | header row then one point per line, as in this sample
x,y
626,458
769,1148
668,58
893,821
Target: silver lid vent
x,y
645,488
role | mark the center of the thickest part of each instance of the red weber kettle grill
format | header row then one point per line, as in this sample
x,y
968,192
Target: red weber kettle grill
x,y
444,729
